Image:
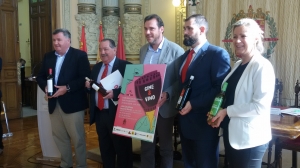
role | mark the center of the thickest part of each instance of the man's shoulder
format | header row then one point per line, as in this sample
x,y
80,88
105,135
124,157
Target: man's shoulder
x,y
172,44
214,47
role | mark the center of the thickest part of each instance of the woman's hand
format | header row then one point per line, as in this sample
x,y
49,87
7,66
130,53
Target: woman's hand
x,y
216,120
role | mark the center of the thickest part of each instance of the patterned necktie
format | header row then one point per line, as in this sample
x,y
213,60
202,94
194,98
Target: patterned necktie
x,y
100,97
186,65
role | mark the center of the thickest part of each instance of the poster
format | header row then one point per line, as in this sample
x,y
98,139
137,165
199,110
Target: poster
x,y
137,109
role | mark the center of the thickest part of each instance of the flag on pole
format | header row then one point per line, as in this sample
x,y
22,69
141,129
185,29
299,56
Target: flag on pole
x,y
101,37
83,40
120,47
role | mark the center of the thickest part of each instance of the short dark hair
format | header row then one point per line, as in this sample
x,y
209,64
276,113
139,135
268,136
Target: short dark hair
x,y
200,20
112,43
65,32
160,22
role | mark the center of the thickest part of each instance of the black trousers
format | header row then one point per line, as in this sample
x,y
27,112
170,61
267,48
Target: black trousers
x,y
245,158
112,146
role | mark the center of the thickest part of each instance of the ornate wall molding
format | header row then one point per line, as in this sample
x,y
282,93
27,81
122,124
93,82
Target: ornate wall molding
x,y
84,8
133,33
66,14
180,13
147,7
110,3
91,31
133,1
111,11
110,27
133,8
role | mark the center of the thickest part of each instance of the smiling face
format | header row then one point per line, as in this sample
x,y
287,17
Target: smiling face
x,y
107,53
153,33
60,43
244,41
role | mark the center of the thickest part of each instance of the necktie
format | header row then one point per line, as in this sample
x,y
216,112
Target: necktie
x,y
100,97
186,65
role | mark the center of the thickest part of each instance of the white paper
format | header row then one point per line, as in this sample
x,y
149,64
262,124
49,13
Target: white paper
x,y
291,111
275,111
112,81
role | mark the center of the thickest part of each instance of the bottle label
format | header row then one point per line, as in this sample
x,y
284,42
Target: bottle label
x,y
50,85
95,87
180,97
216,106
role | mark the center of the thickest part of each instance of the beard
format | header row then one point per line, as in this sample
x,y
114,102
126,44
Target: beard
x,y
189,40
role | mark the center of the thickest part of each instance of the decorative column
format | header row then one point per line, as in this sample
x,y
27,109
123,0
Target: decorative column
x,y
133,29
110,19
87,16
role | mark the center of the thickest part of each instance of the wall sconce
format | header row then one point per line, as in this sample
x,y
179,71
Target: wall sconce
x,y
177,3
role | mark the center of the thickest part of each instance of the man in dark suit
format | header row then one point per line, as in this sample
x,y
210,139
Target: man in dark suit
x,y
209,65
103,110
159,50
70,66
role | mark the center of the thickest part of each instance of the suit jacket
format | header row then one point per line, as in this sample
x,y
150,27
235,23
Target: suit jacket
x,y
249,115
73,71
118,65
169,55
209,67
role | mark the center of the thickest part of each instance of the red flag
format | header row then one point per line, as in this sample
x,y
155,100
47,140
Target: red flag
x,y
120,47
101,37
83,40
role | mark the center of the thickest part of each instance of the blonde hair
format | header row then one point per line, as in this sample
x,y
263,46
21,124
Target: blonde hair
x,y
254,27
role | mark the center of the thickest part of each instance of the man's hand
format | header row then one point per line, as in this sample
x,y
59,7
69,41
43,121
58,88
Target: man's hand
x,y
61,90
187,108
216,120
163,98
110,94
87,84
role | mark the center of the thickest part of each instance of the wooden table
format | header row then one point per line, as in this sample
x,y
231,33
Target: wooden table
x,y
286,127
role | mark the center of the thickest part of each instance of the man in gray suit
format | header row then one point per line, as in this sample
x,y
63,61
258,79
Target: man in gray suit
x,y
159,50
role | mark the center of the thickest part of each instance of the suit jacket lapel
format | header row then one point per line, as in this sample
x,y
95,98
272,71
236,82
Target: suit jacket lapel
x,y
197,59
97,71
116,65
143,54
164,52
65,63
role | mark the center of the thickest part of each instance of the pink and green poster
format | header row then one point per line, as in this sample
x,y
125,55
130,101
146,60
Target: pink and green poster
x,y
137,106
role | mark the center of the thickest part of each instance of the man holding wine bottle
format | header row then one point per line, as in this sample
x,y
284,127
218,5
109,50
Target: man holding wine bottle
x,y
208,64
160,50
103,110
66,95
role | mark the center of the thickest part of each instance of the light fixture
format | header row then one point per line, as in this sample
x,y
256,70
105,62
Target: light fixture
x,y
176,3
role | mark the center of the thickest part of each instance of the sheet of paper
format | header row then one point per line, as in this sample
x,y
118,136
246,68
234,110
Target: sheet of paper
x,y
112,81
275,111
291,111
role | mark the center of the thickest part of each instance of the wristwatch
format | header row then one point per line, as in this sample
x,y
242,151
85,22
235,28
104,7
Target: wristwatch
x,y
68,88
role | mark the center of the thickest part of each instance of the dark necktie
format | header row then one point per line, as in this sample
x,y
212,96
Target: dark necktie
x,y
186,65
100,97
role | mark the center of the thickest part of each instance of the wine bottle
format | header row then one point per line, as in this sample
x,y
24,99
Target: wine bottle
x,y
97,87
184,95
217,103
50,83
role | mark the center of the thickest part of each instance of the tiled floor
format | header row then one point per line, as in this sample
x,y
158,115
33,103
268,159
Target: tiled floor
x,y
23,149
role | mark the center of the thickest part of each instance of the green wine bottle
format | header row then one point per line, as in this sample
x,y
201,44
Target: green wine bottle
x,y
217,103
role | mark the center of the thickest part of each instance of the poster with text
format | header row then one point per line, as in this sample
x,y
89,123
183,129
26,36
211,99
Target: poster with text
x,y
137,109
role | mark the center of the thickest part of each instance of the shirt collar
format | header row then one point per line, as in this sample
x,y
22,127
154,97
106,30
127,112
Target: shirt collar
x,y
159,47
198,47
111,63
62,55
